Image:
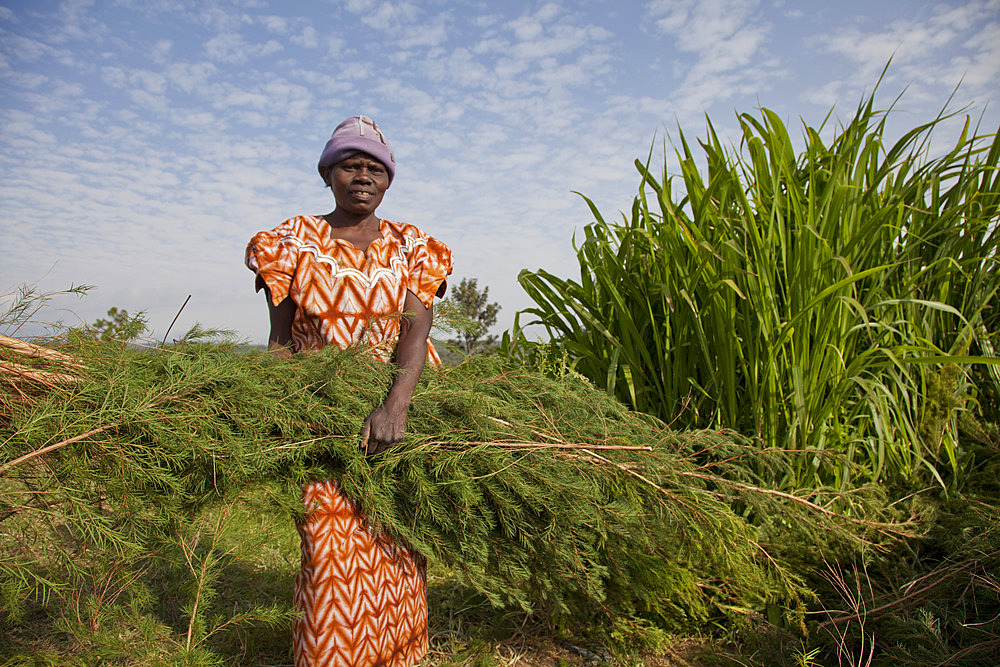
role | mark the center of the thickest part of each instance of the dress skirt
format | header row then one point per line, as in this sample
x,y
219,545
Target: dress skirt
x,y
361,597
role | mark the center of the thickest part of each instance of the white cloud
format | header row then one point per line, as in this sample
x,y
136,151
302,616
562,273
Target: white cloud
x,y
725,34
537,53
145,88
295,30
152,82
432,34
360,6
460,66
160,51
149,100
982,69
526,28
190,77
490,45
74,22
22,48
223,20
322,83
904,42
196,119
828,94
727,39
916,46
911,39
486,20
541,35
560,40
407,23
114,76
19,129
26,80
233,49
269,47
274,101
230,48
335,46
238,97
65,89
309,37
390,15
276,24
423,106
385,15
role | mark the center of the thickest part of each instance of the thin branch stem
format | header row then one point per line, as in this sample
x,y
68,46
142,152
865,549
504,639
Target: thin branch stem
x,y
537,445
57,445
884,527
84,436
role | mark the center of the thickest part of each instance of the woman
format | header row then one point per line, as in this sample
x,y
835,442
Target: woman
x,y
343,279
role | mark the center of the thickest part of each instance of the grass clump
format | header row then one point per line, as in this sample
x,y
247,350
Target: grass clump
x,y
838,299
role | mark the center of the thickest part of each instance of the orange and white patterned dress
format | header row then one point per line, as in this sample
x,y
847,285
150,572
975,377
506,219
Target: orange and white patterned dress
x,y
361,597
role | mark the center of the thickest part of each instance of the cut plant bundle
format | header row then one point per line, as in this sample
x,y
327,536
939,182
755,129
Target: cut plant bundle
x,y
540,493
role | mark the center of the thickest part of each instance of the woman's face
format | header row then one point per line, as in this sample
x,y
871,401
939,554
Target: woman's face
x,y
358,183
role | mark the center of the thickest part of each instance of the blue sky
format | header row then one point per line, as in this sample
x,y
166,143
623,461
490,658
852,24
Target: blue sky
x,y
142,142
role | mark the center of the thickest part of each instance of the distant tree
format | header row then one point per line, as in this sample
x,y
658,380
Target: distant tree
x,y
473,305
119,325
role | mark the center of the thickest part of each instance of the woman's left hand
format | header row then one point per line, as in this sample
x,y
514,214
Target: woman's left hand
x,y
385,426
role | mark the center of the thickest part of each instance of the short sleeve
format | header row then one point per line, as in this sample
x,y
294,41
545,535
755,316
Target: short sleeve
x,y
429,268
273,260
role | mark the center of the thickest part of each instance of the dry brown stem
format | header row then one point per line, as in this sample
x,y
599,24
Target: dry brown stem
x,y
629,470
938,577
56,445
981,647
84,436
888,528
49,378
40,352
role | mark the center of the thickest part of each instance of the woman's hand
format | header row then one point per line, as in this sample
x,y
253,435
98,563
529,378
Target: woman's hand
x,y
386,425
280,351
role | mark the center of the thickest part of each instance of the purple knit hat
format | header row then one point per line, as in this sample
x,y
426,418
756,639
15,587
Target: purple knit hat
x,y
358,133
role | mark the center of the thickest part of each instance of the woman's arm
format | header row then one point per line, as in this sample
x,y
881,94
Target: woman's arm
x,y
386,424
279,340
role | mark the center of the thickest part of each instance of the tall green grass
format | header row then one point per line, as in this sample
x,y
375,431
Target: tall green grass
x,y
828,300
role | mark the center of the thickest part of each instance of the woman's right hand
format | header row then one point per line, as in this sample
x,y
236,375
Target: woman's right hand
x,y
279,350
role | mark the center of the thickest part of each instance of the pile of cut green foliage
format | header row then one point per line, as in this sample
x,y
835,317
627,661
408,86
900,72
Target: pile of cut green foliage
x,y
538,493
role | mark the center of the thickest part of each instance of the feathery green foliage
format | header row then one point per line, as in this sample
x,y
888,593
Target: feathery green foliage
x,y
831,301
540,493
